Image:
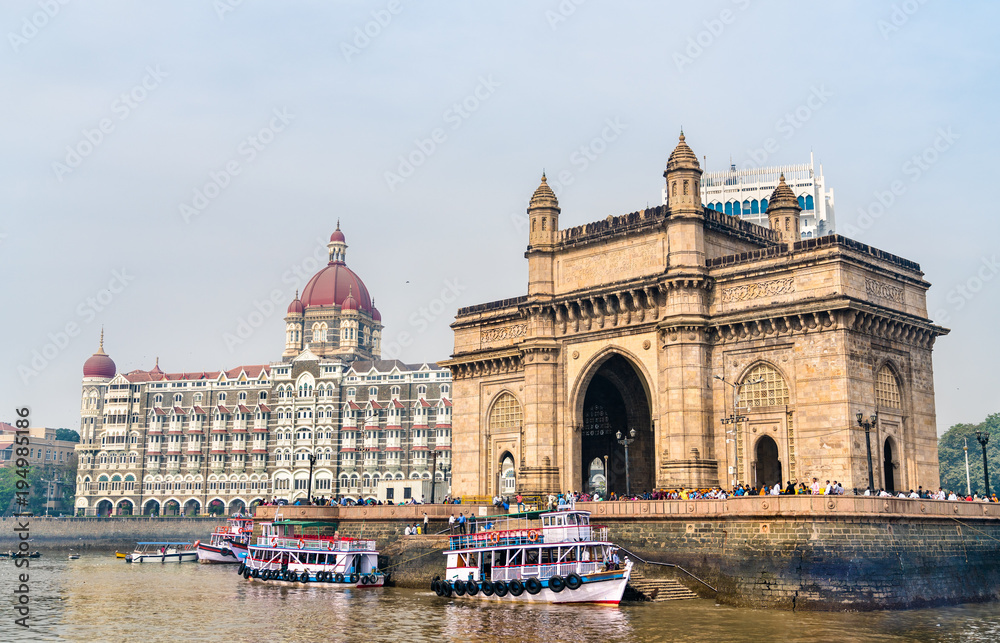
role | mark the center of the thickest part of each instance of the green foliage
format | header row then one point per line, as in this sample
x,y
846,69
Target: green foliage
x,y
68,435
37,477
951,456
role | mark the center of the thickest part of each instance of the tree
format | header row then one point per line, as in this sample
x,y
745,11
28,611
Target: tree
x,y
951,456
69,435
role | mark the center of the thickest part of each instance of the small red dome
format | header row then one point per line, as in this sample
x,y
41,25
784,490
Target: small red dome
x,y
338,235
376,315
99,365
350,303
296,307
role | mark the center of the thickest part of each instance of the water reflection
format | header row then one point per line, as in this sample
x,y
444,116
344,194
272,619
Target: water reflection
x,y
99,598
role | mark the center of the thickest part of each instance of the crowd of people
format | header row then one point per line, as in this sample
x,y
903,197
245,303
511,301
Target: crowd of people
x,y
570,498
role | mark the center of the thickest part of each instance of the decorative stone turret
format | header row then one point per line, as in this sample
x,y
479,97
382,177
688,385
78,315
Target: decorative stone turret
x,y
684,209
293,328
783,211
543,218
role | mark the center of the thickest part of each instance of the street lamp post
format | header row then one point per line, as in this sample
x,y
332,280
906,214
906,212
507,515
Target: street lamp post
x,y
309,493
867,426
983,438
734,419
968,480
607,477
625,442
434,462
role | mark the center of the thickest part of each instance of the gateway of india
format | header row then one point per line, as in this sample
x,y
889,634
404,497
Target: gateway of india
x,y
670,320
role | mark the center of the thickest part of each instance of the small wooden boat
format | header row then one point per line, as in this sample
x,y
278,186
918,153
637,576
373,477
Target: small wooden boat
x,y
164,552
74,556
119,554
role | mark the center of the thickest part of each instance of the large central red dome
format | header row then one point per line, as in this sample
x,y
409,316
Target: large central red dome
x,y
333,284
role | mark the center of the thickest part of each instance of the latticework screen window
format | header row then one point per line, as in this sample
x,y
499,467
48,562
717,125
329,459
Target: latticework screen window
x,y
763,386
506,413
887,389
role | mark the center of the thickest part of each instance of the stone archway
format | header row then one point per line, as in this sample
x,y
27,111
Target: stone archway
x,y
151,508
216,507
237,506
104,508
192,507
124,507
507,484
888,468
616,399
767,465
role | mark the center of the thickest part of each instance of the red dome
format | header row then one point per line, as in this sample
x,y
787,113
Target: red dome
x,y
295,308
333,284
376,315
338,235
350,303
99,365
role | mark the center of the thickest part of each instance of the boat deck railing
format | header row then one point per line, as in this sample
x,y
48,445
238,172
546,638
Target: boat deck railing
x,y
325,544
544,571
531,536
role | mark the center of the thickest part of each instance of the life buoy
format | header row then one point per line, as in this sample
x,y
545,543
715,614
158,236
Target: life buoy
x,y
471,588
196,543
329,545
500,588
516,587
460,588
533,585
557,584
574,581
302,544
532,536
494,537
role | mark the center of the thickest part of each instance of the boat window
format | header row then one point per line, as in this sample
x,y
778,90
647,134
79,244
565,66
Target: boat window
x,y
473,560
531,556
546,521
547,556
500,558
571,519
311,560
584,520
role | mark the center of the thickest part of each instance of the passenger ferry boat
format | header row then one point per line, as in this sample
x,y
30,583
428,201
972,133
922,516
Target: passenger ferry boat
x,y
538,557
222,548
163,552
286,554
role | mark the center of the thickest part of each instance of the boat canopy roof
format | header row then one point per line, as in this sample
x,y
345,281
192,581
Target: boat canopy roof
x,y
164,543
305,523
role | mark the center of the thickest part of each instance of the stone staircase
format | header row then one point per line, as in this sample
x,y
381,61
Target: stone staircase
x,y
657,589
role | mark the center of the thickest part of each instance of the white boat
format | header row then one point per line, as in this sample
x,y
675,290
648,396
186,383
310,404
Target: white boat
x,y
287,554
164,552
223,545
538,557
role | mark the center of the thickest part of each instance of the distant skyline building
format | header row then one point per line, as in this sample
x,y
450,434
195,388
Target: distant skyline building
x,y
745,192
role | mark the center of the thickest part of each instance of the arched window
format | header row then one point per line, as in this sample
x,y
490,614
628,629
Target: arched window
x,y
887,389
736,208
746,207
802,203
809,202
506,413
763,205
729,207
755,206
763,386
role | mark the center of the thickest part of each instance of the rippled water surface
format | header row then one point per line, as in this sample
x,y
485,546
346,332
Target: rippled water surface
x,y
100,598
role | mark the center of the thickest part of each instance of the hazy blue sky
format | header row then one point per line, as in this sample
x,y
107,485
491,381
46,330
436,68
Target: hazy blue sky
x,y
301,116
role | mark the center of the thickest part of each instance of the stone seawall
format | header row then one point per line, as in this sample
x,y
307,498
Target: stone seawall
x,y
104,533
786,552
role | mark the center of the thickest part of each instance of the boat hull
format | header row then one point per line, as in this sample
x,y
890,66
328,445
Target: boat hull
x,y
180,557
213,555
606,588
240,550
320,584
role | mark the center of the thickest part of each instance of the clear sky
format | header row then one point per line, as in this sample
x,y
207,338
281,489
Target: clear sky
x,y
167,166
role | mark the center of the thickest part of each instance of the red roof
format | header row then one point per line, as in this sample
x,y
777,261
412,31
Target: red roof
x,y
418,448
223,410
159,411
375,405
353,406
264,408
397,404
198,410
260,429
155,375
446,401
259,451
179,411
332,285
442,448
244,409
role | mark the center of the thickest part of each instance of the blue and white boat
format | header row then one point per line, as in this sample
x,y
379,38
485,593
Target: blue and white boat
x,y
163,552
538,557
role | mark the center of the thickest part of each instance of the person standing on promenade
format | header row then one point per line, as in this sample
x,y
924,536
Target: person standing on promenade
x,y
814,487
451,523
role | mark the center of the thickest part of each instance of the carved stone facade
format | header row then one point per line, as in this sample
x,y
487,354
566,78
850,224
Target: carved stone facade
x,y
655,320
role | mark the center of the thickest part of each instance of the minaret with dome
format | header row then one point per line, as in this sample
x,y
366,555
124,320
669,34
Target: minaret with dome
x,y
335,315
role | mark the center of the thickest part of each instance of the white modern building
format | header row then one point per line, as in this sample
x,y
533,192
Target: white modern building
x,y
744,193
